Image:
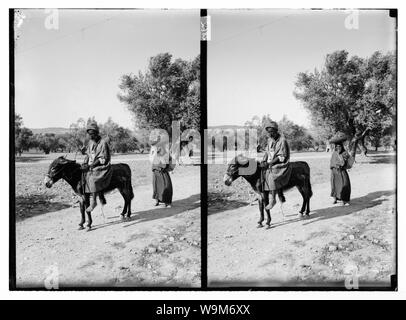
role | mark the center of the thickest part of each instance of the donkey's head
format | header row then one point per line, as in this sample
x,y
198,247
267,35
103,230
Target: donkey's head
x,y
57,170
239,166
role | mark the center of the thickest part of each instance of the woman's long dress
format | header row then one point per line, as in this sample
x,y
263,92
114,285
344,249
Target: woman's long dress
x,y
340,180
161,180
162,185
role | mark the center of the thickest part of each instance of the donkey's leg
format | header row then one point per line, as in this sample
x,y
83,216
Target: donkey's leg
x,y
82,213
268,211
308,206
308,192
127,198
89,220
89,214
302,210
129,191
123,194
261,209
282,199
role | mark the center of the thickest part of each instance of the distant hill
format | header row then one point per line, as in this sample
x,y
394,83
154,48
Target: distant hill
x,y
54,130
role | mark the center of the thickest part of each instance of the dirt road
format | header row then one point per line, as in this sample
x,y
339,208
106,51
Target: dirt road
x,y
157,247
334,243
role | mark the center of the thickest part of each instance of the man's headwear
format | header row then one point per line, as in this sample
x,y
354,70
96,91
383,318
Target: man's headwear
x,y
271,124
92,126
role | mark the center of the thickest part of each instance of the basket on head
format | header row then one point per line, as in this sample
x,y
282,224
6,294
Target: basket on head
x,y
154,140
338,138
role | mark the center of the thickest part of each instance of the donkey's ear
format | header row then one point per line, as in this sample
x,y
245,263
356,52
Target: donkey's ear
x,y
242,160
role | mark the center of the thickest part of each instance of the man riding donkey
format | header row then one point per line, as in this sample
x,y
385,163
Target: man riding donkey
x,y
96,166
276,169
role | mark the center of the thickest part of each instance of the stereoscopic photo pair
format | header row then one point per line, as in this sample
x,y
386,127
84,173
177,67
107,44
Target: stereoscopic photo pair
x,y
203,149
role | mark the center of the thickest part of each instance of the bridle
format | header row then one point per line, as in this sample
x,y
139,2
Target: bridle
x,y
55,173
63,175
231,173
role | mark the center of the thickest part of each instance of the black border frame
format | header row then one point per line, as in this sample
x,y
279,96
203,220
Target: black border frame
x,y
203,185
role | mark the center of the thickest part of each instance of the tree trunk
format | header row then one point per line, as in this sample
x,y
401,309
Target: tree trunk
x,y
358,138
363,147
353,146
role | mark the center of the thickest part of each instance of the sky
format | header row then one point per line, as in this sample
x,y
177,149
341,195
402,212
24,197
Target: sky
x,y
254,57
72,72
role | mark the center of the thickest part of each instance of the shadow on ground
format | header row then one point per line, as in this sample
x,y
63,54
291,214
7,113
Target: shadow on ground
x,y
357,204
178,207
220,201
370,200
37,204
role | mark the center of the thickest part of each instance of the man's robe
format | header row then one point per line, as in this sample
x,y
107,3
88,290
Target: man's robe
x,y
98,178
278,175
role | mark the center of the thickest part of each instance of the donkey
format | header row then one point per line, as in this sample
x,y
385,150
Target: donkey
x,y
300,178
70,171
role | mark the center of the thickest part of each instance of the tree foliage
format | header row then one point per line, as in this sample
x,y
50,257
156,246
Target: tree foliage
x,y
356,96
167,91
47,142
22,136
299,138
258,123
23,140
120,139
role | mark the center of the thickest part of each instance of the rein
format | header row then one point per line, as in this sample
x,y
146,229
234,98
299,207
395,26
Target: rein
x,y
82,182
56,173
262,178
63,174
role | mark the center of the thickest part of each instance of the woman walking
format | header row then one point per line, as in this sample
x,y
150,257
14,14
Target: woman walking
x,y
340,181
161,181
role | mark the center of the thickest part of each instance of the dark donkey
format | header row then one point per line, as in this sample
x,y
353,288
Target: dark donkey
x,y
70,171
251,171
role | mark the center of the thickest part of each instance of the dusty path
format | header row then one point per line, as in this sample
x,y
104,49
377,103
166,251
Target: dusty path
x,y
333,244
158,246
